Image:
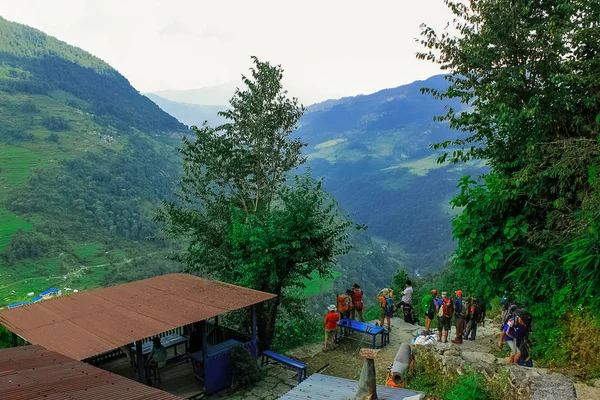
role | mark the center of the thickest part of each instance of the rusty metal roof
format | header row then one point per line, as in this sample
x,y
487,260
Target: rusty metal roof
x,y
85,324
32,373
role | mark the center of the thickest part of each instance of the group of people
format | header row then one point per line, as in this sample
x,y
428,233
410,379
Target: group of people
x,y
468,314
348,305
388,308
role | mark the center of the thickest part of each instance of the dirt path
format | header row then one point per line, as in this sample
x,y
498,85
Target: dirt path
x,y
343,361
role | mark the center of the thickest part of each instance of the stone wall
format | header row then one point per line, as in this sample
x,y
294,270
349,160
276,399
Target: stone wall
x,y
520,383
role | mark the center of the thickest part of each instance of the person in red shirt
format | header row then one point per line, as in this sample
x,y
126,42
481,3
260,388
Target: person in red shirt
x,y
331,320
357,300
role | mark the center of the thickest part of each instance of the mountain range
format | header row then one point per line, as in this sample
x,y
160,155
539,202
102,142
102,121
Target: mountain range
x,y
374,154
85,161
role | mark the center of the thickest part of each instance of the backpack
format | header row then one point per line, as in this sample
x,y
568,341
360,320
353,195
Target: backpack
x,y
476,313
512,312
463,311
389,305
426,303
446,308
481,308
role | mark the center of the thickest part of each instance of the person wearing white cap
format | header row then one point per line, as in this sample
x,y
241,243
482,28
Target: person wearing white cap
x,y
331,320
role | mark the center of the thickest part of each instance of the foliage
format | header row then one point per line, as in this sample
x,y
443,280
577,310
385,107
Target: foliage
x,y
46,64
74,172
296,325
245,369
527,72
244,223
469,386
24,244
399,282
56,124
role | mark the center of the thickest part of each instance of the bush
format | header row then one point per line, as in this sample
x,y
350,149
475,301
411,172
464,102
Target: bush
x,y
24,244
470,386
30,108
297,329
56,124
53,137
244,367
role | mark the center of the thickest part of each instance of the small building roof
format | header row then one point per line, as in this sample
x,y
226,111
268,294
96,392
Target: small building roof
x,y
85,324
48,291
34,373
325,387
18,304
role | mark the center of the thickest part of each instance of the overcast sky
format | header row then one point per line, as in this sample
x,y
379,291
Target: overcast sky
x,y
329,48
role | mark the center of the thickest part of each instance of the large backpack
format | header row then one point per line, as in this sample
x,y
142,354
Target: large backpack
x,y
446,309
481,306
389,305
464,308
476,312
512,312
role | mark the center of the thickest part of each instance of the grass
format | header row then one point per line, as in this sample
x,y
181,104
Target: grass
x,y
63,272
338,153
9,224
317,285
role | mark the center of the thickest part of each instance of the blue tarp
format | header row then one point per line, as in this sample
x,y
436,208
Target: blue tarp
x,y
20,303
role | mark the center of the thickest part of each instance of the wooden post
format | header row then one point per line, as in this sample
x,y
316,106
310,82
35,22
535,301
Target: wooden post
x,y
140,362
367,384
14,340
204,344
219,338
253,316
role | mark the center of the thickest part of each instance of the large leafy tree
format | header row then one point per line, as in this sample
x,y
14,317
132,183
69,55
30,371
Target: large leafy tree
x,y
527,73
244,220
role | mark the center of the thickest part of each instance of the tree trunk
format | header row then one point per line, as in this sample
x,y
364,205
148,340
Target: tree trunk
x,y
266,318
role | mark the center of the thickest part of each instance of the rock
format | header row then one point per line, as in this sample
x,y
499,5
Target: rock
x,y
473,357
260,392
552,387
281,389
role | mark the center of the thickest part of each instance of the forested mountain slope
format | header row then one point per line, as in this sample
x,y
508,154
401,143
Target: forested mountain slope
x,y
84,162
374,153
84,159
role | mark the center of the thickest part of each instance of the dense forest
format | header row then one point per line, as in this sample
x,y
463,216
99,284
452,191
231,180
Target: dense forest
x,y
529,227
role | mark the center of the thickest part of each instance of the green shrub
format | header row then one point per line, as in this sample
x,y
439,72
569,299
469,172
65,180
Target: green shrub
x,y
296,329
244,367
470,386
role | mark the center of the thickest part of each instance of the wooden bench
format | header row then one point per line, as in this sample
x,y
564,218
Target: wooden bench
x,y
169,341
287,362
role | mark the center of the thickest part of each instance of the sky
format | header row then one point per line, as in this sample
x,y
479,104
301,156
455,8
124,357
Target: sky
x,y
328,48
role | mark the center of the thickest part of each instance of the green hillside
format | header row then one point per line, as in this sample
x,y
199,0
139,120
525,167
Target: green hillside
x,y
84,159
374,154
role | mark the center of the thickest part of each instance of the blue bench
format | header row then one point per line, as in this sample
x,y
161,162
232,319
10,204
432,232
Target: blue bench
x,y
286,361
362,327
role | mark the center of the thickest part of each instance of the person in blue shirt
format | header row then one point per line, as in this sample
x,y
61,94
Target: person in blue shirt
x,y
459,317
512,334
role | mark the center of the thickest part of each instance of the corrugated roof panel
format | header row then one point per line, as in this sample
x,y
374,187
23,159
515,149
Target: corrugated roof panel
x,y
34,373
85,324
325,387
